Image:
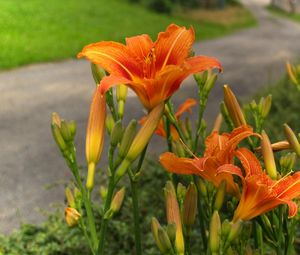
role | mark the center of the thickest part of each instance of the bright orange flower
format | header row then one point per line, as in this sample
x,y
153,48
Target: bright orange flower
x,y
153,70
219,151
185,107
260,193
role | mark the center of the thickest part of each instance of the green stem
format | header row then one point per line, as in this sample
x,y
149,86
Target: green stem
x,y
202,105
137,229
87,205
104,223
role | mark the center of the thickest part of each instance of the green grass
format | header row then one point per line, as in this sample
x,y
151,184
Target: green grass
x,y
282,13
37,31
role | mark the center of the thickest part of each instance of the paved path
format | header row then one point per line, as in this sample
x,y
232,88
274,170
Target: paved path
x,y
29,159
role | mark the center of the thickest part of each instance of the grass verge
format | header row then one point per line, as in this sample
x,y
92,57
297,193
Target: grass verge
x,y
33,32
282,13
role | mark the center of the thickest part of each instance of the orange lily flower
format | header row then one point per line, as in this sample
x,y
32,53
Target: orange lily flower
x,y
185,107
219,152
260,193
153,70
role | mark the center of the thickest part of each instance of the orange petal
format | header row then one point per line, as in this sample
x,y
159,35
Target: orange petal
x,y
249,162
177,165
293,208
139,46
231,169
113,57
186,107
288,187
214,143
172,47
199,64
108,81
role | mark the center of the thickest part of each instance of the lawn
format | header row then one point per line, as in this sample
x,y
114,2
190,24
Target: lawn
x,y
33,31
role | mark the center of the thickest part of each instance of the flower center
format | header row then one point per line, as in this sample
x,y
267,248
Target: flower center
x,y
149,68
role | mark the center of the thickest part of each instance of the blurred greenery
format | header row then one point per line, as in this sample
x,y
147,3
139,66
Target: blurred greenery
x,y
276,10
34,31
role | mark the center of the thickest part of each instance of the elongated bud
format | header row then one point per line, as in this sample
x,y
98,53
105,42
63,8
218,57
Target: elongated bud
x,y
234,230
72,128
58,137
173,215
292,74
70,197
164,240
201,78
219,199
141,139
103,192
181,191
127,139
171,231
190,206
214,232
116,134
121,96
72,216
218,123
268,156
109,123
266,106
287,162
210,82
225,229
202,188
279,146
118,200
55,119
234,109
253,106
98,73
65,131
95,135
155,226
292,139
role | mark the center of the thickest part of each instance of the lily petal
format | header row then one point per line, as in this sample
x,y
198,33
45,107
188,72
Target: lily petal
x,y
249,162
139,46
199,64
113,57
186,107
172,46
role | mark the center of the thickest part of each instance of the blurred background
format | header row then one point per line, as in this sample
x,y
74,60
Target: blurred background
x,y
39,74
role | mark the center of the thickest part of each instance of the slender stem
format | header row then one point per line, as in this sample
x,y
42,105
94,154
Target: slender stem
x,y
137,229
104,223
87,205
202,106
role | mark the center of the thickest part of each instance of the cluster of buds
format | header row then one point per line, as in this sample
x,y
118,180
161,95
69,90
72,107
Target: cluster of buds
x,y
262,108
74,200
63,133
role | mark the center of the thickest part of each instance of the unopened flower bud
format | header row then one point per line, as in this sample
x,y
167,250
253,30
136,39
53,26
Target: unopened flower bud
x,y
234,230
70,197
292,74
210,82
266,106
155,226
253,105
181,191
103,192
202,187
118,200
109,123
214,232
121,98
58,137
116,134
268,156
219,199
164,240
173,215
201,78
141,139
95,135
65,131
190,206
287,162
218,123
225,229
55,119
234,109
171,231
292,138
127,139
98,73
72,216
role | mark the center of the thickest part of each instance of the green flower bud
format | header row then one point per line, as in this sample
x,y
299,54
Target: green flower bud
x,y
65,131
190,206
116,134
292,138
214,232
127,139
164,240
219,198
58,137
98,73
171,231
109,123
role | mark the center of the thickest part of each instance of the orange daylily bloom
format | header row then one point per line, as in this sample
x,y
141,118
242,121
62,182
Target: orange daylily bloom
x,y
153,70
185,107
260,193
220,150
